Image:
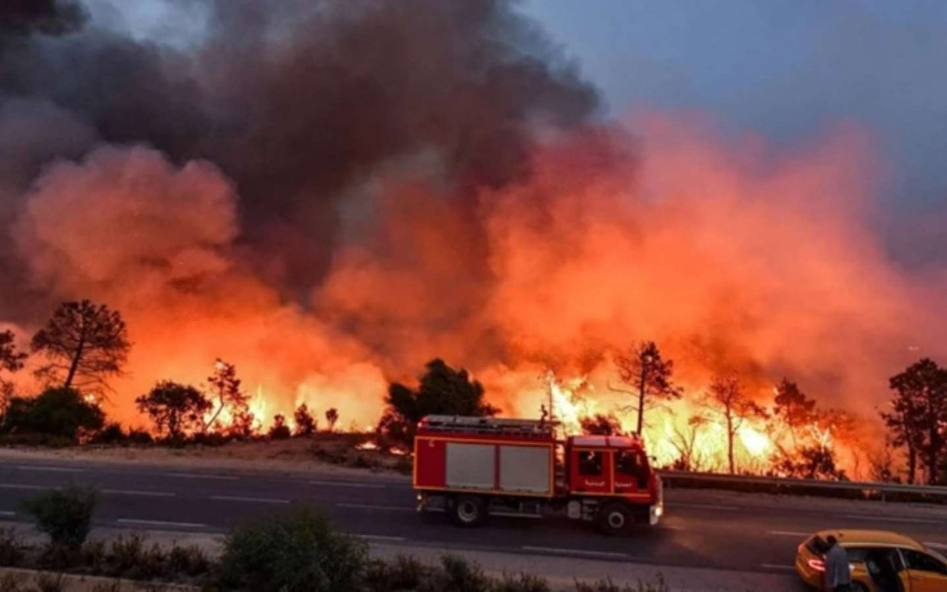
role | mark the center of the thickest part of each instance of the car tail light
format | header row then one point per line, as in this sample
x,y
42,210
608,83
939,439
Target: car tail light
x,y
817,564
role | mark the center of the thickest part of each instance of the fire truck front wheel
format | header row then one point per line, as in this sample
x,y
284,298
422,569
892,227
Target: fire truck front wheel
x,y
614,518
467,510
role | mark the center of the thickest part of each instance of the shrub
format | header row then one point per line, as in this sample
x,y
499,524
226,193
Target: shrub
x,y
404,573
607,585
112,433
459,575
188,561
60,412
50,583
139,436
279,430
11,551
305,422
64,515
294,552
521,583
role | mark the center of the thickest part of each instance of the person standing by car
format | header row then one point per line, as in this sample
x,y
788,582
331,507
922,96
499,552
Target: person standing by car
x,y
838,575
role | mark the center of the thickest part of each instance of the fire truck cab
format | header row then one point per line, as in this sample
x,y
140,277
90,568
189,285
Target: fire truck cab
x,y
475,467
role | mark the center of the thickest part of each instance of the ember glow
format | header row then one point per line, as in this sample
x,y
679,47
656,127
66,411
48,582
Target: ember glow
x,y
327,242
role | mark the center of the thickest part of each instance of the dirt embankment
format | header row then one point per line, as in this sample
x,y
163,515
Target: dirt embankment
x,y
321,453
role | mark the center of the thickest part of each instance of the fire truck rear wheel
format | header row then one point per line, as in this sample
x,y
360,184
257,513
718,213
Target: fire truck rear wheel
x,y
615,518
467,510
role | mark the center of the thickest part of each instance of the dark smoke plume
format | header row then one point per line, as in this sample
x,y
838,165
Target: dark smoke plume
x,y
299,101
21,18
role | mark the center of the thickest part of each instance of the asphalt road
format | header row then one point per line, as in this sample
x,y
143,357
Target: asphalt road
x,y
701,529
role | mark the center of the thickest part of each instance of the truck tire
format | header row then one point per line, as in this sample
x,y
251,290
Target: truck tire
x,y
614,518
467,510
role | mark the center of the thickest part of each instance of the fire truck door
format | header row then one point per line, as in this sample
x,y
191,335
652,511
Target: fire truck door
x,y
591,472
631,471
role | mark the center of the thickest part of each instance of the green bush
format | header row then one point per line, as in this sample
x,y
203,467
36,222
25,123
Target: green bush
x,y
64,515
294,552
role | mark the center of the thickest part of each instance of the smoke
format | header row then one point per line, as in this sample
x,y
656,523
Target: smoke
x,y
330,194
22,18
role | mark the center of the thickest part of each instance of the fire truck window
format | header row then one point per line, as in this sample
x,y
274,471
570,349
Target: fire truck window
x,y
590,463
632,464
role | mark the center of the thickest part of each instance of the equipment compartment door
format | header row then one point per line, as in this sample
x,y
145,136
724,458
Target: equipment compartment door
x,y
471,466
526,469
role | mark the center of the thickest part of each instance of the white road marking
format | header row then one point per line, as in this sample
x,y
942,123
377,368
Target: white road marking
x,y
197,476
892,519
789,533
575,552
781,567
160,523
379,538
936,545
19,486
371,507
5,513
347,484
139,493
258,500
708,507
50,469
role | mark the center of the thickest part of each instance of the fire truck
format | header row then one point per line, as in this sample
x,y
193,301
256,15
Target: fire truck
x,y
475,467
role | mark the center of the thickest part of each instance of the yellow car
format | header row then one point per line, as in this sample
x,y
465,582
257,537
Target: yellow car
x,y
880,561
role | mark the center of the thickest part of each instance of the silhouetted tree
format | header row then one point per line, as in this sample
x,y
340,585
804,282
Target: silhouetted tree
x,y
84,344
684,441
601,425
728,399
11,361
918,416
650,375
225,387
305,422
59,412
176,409
442,391
243,426
794,408
332,418
279,430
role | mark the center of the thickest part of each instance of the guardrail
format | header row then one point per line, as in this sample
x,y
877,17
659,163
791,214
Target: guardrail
x,y
843,489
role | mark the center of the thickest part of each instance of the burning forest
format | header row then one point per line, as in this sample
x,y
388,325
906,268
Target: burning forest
x,y
329,195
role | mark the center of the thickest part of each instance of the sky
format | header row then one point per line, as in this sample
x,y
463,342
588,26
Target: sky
x,y
788,69
783,67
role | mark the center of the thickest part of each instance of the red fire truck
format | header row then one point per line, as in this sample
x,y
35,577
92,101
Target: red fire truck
x,y
475,467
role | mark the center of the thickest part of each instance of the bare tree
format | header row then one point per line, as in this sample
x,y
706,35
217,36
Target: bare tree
x,y
651,376
684,441
226,387
85,344
728,399
332,418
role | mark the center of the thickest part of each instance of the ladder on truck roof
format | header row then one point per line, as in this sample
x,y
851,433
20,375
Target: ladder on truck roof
x,y
488,425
